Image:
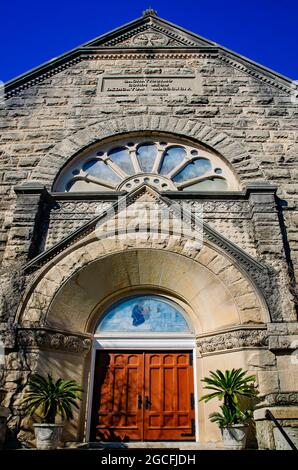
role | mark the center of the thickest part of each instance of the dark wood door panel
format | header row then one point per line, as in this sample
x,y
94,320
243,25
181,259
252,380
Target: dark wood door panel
x,y
117,415
143,396
169,412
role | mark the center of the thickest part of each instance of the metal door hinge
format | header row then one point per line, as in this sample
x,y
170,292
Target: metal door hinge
x,y
192,401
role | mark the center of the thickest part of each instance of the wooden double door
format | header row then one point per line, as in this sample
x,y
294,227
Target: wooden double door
x,y
143,396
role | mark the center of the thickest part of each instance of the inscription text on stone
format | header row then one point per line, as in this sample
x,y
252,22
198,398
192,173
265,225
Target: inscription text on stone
x,y
151,84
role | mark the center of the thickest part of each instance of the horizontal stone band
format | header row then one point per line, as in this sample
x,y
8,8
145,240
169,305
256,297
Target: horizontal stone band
x,y
233,340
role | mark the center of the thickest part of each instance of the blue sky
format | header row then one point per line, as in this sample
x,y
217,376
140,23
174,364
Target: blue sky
x,y
33,32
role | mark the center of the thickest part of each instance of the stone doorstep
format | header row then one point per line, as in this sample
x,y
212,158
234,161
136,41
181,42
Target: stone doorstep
x,y
174,445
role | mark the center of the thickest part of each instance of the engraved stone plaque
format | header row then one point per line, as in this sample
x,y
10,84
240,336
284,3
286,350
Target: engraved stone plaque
x,y
147,84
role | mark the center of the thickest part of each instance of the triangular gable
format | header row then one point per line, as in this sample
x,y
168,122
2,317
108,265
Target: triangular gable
x,y
145,33
150,31
263,277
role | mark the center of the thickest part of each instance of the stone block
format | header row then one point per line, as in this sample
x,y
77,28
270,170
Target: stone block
x,y
206,255
288,376
247,301
280,442
289,342
196,99
230,275
268,382
240,288
262,359
251,315
219,264
258,136
207,111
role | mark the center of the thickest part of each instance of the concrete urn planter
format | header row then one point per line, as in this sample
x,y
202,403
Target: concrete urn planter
x,y
234,437
48,436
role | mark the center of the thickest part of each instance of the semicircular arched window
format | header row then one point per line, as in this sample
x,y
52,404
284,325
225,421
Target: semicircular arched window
x,y
162,163
144,313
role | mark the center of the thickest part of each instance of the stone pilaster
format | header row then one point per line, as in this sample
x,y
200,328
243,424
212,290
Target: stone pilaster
x,y
280,384
270,243
25,239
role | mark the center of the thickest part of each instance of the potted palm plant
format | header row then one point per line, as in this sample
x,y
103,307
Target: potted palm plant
x,y
232,387
48,399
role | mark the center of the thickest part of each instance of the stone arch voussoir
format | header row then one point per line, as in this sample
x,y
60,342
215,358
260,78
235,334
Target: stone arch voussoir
x,y
234,152
189,268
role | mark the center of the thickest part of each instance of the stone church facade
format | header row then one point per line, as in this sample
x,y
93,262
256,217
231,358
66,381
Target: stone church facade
x,y
150,115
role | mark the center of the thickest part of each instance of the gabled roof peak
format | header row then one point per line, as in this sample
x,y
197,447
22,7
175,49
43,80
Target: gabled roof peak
x,y
177,36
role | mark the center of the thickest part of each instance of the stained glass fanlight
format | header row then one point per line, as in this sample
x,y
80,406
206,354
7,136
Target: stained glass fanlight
x,y
167,165
145,313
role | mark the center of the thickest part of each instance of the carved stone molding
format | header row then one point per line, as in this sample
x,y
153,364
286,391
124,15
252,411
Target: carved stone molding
x,y
168,37
82,54
280,399
218,206
148,39
243,338
47,339
66,211
83,210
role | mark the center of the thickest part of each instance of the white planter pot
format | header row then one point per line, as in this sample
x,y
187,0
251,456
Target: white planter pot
x,y
48,436
234,437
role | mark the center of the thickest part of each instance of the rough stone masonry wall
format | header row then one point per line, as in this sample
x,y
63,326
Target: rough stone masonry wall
x,y
260,117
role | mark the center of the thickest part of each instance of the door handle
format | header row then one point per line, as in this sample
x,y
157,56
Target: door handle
x,y
147,403
140,402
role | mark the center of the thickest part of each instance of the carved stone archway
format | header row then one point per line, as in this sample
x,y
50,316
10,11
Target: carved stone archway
x,y
67,298
57,297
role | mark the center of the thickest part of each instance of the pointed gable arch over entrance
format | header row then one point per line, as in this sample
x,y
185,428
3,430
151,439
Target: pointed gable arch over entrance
x,y
98,233
77,287
94,251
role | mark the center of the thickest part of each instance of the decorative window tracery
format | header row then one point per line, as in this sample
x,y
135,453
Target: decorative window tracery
x,y
165,164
